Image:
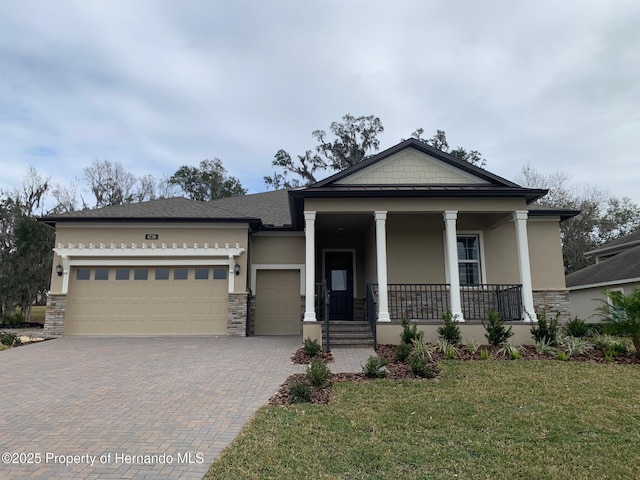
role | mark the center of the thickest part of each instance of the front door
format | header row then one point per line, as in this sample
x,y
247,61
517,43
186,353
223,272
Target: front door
x,y
339,276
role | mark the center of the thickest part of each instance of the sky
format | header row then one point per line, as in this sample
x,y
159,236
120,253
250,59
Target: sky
x,y
156,84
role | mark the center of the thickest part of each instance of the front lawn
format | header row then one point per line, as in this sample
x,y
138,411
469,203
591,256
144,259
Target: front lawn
x,y
492,419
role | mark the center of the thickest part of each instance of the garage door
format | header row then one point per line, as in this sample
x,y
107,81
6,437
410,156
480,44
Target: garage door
x,y
278,302
148,301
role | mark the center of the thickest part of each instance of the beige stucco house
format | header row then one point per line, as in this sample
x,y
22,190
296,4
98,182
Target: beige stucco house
x,y
616,267
411,232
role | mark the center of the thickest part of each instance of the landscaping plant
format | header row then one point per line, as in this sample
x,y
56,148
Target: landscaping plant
x,y
9,339
410,332
420,367
547,330
375,367
402,351
620,314
311,347
300,392
450,330
318,372
472,346
496,334
576,328
575,346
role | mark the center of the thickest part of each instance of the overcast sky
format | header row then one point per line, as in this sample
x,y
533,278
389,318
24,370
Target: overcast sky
x,y
158,84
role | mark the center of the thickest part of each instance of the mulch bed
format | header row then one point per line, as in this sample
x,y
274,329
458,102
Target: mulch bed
x,y
400,370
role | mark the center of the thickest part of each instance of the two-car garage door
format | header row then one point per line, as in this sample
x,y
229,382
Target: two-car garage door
x,y
174,300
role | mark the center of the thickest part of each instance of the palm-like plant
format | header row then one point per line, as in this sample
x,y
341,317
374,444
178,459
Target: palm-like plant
x,y
621,315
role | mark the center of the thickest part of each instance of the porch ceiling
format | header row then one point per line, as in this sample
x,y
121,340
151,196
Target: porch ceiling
x,y
343,223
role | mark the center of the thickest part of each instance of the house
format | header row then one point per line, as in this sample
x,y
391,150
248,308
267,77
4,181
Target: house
x,y
411,232
617,268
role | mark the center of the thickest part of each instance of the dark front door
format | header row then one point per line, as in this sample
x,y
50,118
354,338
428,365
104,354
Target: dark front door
x,y
339,275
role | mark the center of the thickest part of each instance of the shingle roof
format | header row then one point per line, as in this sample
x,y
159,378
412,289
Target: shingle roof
x,y
272,207
619,244
623,266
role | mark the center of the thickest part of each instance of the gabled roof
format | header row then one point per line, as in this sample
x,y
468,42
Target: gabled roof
x,y
621,268
272,207
628,241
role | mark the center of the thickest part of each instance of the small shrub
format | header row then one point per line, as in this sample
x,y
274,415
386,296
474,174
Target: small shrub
x,y
514,354
318,372
509,348
575,346
312,347
13,318
402,351
450,330
375,367
608,357
546,329
544,347
576,328
472,346
496,334
410,333
9,339
299,392
451,353
484,354
617,349
562,356
420,367
422,349
606,343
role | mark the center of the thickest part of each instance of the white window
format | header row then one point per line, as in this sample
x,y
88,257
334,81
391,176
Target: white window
x,y
469,267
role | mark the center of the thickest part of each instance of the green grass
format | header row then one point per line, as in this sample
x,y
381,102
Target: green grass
x,y
516,419
37,313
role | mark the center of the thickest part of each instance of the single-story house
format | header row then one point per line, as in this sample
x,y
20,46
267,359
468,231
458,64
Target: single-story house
x,y
410,232
617,268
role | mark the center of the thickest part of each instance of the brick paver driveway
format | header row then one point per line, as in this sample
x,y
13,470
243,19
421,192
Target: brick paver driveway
x,y
101,405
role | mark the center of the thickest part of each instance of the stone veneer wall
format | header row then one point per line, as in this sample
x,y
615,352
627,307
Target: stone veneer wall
x,y
54,316
237,314
552,302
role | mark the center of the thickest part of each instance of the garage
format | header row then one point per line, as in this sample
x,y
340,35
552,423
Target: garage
x,y
278,302
171,300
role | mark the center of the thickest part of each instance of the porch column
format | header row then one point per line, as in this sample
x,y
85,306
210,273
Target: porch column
x,y
522,241
310,266
451,262
381,257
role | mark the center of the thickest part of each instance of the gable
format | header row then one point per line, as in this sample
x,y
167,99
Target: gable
x,y
411,166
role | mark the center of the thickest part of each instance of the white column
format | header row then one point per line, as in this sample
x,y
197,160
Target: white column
x,y
451,259
310,264
522,241
232,274
381,256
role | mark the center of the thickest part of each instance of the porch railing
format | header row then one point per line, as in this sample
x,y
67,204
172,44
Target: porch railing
x,y
372,313
431,301
322,311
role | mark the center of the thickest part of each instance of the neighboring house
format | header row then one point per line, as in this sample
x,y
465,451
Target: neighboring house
x,y
411,232
617,267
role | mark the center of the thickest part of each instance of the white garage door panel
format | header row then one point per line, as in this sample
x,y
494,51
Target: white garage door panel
x,y
278,302
147,307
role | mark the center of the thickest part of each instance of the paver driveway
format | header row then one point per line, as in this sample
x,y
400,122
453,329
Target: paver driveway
x,y
115,400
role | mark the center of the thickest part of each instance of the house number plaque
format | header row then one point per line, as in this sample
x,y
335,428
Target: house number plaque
x,y
151,236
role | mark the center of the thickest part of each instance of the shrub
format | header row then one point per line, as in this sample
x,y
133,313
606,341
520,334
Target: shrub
x,y
318,372
576,328
617,349
299,392
509,348
9,338
410,333
544,347
547,330
484,354
472,346
375,367
312,347
451,353
562,356
514,354
575,346
420,348
402,351
621,315
420,367
450,330
496,334
13,318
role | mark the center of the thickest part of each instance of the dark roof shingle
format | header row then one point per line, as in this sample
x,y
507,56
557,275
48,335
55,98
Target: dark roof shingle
x,y
623,266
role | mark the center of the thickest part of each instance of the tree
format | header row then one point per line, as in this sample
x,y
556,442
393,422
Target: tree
x,y
208,182
353,140
621,315
439,141
110,183
602,218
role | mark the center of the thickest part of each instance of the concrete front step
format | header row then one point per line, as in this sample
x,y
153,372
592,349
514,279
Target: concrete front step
x,y
348,334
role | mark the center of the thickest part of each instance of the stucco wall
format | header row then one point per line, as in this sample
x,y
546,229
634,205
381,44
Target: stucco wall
x,y
389,333
583,303
277,249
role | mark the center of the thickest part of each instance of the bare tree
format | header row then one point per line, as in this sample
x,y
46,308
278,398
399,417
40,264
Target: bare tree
x,y
110,183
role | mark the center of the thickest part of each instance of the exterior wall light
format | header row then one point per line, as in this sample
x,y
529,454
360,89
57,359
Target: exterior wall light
x,y
236,268
59,270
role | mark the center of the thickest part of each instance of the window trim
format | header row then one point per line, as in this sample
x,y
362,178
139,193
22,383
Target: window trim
x,y
481,259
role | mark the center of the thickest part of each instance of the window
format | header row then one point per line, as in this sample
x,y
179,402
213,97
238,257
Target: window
x,y
140,274
469,259
83,274
122,274
180,273
220,273
202,274
102,274
162,274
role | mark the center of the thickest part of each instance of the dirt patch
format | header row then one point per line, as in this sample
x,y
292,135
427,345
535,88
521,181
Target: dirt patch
x,y
301,357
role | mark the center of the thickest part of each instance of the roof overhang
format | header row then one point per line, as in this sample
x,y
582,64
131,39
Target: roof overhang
x,y
53,220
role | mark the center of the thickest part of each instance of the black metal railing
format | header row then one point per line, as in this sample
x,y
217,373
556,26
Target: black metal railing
x,y
322,312
372,313
424,301
477,300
